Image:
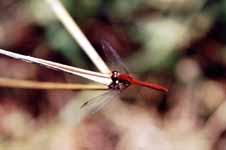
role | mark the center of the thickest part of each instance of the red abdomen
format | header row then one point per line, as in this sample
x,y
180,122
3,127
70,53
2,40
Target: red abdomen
x,y
125,77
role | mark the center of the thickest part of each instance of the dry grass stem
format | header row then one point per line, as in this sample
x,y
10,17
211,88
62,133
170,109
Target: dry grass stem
x,y
77,34
24,84
95,76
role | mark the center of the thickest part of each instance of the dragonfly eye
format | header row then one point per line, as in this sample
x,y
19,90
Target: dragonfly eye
x,y
114,76
115,81
115,73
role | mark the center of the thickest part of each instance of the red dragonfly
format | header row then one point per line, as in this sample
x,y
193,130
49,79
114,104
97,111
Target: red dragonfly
x,y
120,81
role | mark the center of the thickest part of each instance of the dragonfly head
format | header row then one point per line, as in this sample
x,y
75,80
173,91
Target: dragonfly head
x,y
114,76
117,82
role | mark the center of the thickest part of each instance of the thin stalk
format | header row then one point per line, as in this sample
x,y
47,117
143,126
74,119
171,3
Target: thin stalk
x,y
95,76
24,84
77,34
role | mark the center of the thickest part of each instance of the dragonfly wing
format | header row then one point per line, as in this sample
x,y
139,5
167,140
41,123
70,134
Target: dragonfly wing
x,y
95,104
113,57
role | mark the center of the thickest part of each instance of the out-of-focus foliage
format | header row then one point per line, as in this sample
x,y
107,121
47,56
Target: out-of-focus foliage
x,y
180,44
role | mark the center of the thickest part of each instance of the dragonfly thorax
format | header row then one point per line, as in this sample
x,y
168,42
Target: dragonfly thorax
x,y
118,84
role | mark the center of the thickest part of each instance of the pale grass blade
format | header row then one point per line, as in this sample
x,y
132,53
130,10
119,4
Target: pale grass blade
x,y
77,34
91,75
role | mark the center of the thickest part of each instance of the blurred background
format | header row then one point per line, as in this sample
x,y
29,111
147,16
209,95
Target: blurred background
x,y
176,43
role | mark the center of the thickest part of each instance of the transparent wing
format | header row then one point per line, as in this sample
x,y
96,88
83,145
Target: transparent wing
x,y
95,104
113,57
